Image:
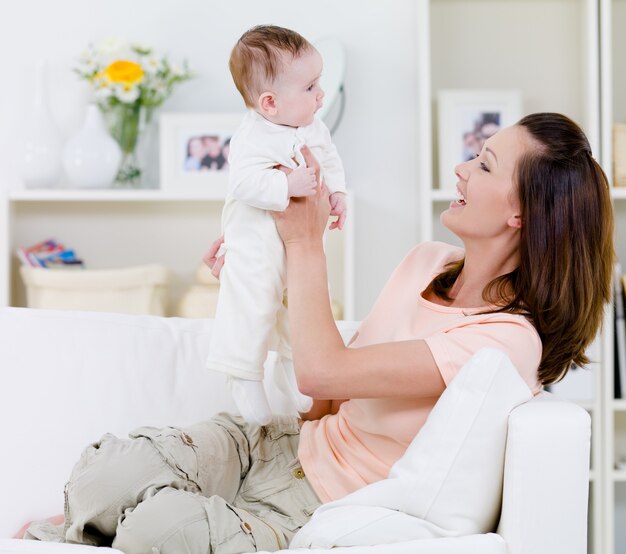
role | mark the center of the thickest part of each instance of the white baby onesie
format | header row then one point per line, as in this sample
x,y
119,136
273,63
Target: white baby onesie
x,y
251,318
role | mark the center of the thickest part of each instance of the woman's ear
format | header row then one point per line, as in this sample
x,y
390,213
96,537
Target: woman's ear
x,y
267,103
515,221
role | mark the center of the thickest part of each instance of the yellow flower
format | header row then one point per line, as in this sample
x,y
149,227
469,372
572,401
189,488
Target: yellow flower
x,y
125,72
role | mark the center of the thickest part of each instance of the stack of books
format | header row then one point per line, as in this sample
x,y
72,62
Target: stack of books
x,y
49,254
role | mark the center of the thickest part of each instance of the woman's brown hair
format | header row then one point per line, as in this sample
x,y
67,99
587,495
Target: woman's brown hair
x,y
566,245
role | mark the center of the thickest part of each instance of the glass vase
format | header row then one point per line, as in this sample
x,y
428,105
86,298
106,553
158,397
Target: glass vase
x,y
40,152
127,123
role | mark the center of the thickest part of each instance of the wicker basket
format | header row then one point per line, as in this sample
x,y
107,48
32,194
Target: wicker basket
x,y
132,290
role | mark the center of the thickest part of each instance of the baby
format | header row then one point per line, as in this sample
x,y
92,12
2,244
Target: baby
x,y
277,72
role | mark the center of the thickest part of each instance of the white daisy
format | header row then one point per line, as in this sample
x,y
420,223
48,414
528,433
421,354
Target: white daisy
x,y
152,65
128,96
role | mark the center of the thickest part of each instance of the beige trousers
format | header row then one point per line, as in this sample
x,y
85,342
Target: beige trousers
x,y
221,486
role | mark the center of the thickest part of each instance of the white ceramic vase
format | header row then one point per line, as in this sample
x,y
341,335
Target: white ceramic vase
x,y
42,143
92,157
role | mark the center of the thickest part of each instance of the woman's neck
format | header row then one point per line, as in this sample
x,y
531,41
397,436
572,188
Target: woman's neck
x,y
482,265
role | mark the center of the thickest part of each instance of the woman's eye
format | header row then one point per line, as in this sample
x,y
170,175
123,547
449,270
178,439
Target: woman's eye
x,y
482,164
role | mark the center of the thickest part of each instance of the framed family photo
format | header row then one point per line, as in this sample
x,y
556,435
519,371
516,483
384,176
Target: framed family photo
x,y
194,151
467,118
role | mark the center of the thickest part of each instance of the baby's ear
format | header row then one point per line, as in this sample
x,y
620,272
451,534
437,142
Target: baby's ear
x,y
267,103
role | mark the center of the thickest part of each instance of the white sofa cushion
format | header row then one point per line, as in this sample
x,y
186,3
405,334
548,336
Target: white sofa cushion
x,y
449,482
485,544
14,546
489,543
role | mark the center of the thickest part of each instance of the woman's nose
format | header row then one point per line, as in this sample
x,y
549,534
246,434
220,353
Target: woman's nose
x,y
460,171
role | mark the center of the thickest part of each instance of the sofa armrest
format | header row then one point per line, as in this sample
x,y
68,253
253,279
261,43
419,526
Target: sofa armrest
x,y
546,478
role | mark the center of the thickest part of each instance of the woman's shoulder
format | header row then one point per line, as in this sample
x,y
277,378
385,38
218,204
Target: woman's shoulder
x,y
434,254
517,320
422,263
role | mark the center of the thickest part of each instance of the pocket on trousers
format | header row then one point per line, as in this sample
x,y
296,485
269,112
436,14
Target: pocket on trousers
x,y
279,440
275,500
176,447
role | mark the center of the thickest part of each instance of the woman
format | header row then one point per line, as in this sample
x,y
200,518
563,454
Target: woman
x,y
535,219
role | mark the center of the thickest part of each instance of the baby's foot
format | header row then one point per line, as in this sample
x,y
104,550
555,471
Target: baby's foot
x,y
285,379
250,398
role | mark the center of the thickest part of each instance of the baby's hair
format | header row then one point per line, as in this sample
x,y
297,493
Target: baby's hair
x,y
256,59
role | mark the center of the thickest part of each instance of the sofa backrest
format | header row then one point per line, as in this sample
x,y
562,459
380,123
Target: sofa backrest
x,y
69,377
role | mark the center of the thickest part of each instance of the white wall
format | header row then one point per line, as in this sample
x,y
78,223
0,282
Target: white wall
x,y
377,138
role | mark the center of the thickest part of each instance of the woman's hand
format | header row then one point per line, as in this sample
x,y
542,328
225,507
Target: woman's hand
x,y
305,218
211,258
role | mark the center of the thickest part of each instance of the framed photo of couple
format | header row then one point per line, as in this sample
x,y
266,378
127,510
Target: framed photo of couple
x,y
194,151
467,118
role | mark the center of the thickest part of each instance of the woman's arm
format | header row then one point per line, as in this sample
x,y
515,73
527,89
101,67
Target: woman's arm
x,y
211,258
215,262
321,408
325,367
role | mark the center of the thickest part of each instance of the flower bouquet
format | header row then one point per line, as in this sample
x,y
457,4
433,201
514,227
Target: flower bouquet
x,y
130,82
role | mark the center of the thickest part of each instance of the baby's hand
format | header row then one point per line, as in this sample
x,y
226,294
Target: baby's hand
x,y
339,208
302,181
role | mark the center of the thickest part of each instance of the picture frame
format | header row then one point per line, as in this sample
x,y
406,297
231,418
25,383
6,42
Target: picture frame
x,y
194,152
466,118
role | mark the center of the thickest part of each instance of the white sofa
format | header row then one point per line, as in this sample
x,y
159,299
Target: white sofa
x,y
69,377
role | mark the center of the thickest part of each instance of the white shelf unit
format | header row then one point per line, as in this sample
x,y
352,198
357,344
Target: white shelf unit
x,y
619,405
117,228
613,110
549,51
618,193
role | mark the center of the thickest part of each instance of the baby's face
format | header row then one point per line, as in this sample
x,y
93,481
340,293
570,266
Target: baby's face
x,y
196,148
297,90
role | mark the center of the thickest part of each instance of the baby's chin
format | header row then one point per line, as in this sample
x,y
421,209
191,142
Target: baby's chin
x,y
307,122
301,123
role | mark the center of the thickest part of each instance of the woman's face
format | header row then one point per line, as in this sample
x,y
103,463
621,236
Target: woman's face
x,y
488,205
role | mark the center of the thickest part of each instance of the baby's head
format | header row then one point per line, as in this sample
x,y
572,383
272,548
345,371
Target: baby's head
x,y
277,71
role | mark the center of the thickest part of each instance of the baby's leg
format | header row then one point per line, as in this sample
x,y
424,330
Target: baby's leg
x,y
251,401
252,283
285,381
